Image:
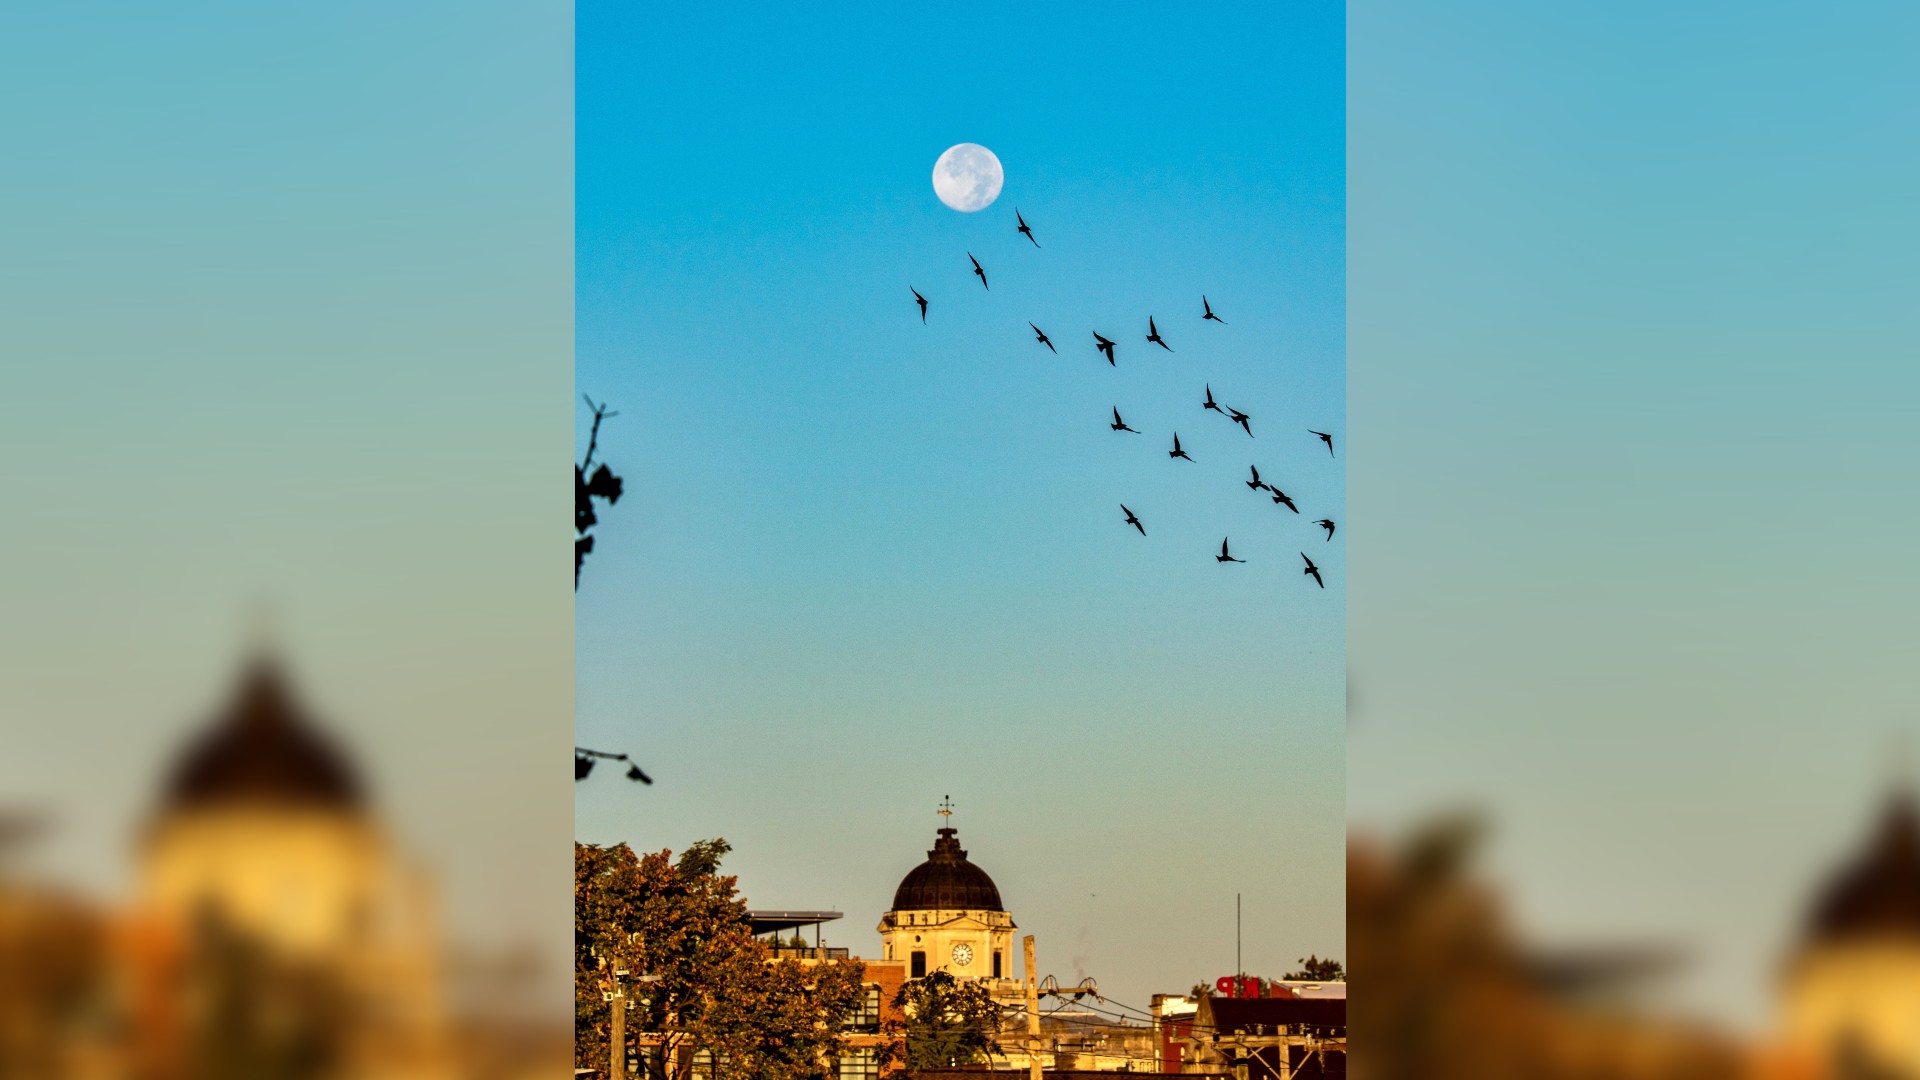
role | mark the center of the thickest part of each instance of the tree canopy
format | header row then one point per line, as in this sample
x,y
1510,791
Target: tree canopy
x,y
712,986
1314,969
942,1021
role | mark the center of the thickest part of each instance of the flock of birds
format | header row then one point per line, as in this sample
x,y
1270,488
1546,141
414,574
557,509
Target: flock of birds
x,y
1106,346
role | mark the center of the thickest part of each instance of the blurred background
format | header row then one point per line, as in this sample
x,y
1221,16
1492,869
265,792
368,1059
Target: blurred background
x,y
285,402
1631,350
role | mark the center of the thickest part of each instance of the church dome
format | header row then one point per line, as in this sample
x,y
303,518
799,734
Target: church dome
x,y
1878,895
262,750
947,882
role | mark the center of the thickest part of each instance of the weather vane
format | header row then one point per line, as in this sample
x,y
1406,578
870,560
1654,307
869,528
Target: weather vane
x,y
946,806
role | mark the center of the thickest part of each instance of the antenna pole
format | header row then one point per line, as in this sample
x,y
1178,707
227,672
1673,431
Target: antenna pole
x,y
1239,970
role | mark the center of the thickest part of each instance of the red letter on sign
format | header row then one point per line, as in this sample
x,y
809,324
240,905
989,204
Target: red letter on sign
x,y
1224,984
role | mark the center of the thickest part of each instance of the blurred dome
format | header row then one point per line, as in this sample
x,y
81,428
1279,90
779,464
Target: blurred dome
x,y
947,882
262,750
1878,895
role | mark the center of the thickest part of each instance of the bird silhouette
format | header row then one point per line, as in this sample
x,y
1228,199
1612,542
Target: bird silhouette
x,y
1041,336
1224,556
1176,451
1105,346
1119,424
1024,231
1327,524
1132,520
1212,404
982,274
1153,335
1312,571
922,300
1280,497
1240,418
1325,438
1210,314
1255,483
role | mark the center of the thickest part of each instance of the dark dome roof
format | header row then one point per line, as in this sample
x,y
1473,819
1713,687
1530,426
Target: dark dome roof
x,y
1879,894
947,882
262,749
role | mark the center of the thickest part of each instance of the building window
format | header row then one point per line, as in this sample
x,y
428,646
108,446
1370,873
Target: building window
x,y
996,963
860,1064
866,1015
707,1067
919,965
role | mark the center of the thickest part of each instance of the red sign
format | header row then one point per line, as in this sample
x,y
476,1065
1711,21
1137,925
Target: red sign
x,y
1228,986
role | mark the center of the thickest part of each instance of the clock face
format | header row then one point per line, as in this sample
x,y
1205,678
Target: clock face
x,y
963,954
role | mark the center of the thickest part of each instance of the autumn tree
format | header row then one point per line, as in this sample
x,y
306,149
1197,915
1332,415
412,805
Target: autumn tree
x,y
1314,969
710,987
943,1022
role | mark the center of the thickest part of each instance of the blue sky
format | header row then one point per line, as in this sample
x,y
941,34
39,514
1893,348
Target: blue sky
x,y
865,563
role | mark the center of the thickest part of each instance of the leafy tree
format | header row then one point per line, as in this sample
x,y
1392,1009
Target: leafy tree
x,y
712,986
944,1022
600,484
603,485
1314,969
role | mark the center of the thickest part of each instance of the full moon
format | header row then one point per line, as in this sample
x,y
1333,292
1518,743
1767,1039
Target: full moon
x,y
967,177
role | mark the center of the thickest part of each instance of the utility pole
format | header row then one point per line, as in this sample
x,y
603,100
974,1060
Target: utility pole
x,y
619,1063
1033,1011
1239,969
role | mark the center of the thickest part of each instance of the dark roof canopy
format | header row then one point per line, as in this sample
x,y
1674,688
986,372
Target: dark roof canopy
x,y
1241,1016
1878,895
947,882
768,922
262,749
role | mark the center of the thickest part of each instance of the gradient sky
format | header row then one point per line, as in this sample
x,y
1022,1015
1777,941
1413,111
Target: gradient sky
x,y
285,305
1633,388
865,563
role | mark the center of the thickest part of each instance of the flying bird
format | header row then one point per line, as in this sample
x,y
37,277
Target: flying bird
x,y
1224,556
1240,418
1176,451
1325,438
1312,571
982,274
922,300
1280,498
1212,404
1119,424
1132,520
1153,335
1104,346
1327,524
1210,314
1024,231
1041,336
1255,483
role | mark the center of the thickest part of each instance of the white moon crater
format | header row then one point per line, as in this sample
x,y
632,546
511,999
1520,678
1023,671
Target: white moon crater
x,y
967,177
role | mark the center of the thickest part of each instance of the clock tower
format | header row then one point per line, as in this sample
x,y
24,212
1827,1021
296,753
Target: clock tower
x,y
947,916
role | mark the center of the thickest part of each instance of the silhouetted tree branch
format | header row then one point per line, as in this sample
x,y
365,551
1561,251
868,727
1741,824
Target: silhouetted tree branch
x,y
600,484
